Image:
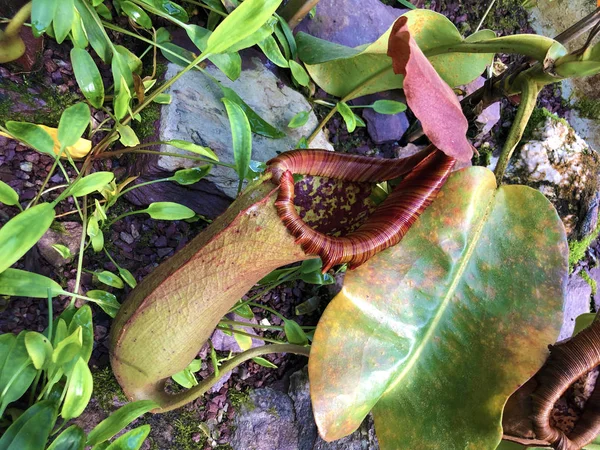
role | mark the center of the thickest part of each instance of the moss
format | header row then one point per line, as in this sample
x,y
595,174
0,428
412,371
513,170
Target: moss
x,y
589,280
237,399
538,117
106,389
484,157
55,103
588,108
186,426
577,249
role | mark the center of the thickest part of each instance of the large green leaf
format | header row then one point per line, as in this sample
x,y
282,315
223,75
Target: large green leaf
x,y
341,70
119,420
73,438
21,233
31,430
88,77
17,372
435,333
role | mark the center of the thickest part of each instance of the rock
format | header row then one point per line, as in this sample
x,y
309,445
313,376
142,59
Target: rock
x,y
308,439
69,235
197,114
577,302
350,22
565,169
267,423
273,418
384,127
595,275
550,18
26,166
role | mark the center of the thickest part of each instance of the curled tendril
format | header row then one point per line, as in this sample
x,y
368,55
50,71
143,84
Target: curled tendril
x,y
427,172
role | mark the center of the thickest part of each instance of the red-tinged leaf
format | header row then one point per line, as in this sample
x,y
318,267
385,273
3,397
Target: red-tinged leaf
x,y
428,96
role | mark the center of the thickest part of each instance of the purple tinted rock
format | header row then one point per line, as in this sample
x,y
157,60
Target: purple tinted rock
x,y
577,302
384,127
350,22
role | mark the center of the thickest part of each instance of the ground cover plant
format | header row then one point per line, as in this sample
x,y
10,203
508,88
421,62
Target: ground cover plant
x,y
437,260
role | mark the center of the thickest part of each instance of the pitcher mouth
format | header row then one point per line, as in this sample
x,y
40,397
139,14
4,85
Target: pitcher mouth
x,y
426,172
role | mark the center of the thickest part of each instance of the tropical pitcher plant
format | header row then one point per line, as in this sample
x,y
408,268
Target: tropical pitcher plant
x,y
456,282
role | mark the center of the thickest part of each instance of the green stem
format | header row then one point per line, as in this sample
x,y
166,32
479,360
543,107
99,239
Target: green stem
x,y
122,216
81,246
145,183
253,325
485,14
254,336
170,402
266,308
529,93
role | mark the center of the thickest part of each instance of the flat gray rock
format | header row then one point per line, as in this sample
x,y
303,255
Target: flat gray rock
x,y
577,302
68,235
197,114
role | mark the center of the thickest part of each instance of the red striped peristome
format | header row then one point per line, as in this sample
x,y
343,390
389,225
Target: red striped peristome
x,y
427,171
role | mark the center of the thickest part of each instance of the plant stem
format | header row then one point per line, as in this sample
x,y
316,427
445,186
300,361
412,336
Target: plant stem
x,y
81,246
296,10
253,325
154,152
487,11
529,93
255,336
266,308
169,402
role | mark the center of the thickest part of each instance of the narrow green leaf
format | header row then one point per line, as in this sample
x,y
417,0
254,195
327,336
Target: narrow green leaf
x,y
20,283
241,137
127,277
273,52
21,233
244,342
317,278
39,349
128,136
32,135
68,348
348,116
194,148
83,318
63,19
73,122
169,211
244,311
163,99
104,12
294,333
88,77
257,123
63,250
17,373
264,362
95,233
388,107
94,31
308,306
137,14
259,35
73,438
61,330
185,378
170,8
107,301
229,63
118,420
299,73
241,23
289,35
109,279
191,176
31,430
79,390
359,121
42,12
299,119
78,36
8,196
91,183
132,440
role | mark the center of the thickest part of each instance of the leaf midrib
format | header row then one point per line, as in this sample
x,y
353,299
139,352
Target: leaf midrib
x,y
444,304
